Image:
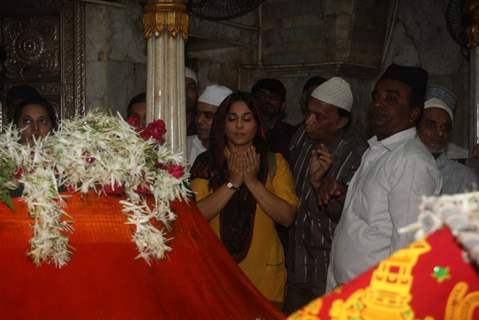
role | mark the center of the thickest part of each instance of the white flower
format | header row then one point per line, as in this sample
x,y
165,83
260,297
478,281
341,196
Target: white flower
x,y
87,154
459,212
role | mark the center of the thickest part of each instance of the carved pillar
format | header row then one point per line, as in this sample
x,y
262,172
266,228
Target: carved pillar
x,y
166,30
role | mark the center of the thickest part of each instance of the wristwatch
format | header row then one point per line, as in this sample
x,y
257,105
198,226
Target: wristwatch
x,y
231,186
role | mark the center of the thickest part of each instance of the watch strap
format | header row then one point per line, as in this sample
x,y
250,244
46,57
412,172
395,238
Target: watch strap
x,y
231,186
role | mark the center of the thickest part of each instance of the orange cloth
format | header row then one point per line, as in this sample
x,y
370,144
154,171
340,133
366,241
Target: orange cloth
x,y
427,280
198,279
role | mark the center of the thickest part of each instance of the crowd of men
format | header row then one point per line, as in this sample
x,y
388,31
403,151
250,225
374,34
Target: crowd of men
x,y
354,195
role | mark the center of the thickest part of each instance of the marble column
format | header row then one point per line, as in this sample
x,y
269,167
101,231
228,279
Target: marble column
x,y
166,30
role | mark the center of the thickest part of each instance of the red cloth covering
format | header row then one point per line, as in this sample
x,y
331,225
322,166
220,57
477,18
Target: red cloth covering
x,y
428,280
198,279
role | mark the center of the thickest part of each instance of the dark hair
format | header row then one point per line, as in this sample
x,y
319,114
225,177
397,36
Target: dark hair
x,y
417,100
272,85
22,93
139,98
415,78
190,105
218,139
37,101
312,82
344,114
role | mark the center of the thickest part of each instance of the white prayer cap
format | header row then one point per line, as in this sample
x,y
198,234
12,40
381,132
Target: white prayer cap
x,y
191,74
336,91
438,103
214,94
447,98
442,93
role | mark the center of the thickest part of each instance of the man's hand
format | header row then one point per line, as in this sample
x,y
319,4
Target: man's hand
x,y
319,163
330,188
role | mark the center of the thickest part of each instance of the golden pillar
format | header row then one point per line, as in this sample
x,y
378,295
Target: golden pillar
x,y
166,30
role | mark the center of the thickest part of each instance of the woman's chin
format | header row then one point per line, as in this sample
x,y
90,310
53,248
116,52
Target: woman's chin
x,y
240,143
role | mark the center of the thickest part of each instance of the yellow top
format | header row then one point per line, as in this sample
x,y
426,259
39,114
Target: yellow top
x,y
264,263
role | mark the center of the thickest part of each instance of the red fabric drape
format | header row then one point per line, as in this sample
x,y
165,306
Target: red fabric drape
x,y
430,279
198,279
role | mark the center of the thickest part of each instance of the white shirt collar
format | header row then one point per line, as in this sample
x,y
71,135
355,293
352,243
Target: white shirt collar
x,y
390,142
197,142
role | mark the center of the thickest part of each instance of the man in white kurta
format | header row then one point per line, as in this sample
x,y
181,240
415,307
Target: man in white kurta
x,y
434,130
456,177
395,172
208,102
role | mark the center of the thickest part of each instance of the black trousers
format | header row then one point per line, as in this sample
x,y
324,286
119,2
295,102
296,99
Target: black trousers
x,y
300,294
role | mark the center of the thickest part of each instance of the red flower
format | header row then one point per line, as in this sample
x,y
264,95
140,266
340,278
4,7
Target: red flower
x,y
155,130
143,190
133,121
70,188
116,189
176,170
144,134
88,157
90,160
19,173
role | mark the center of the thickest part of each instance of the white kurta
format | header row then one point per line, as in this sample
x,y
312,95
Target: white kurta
x,y
194,148
456,177
383,197
456,152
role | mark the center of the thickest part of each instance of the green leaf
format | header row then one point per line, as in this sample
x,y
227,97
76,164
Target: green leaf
x,y
5,197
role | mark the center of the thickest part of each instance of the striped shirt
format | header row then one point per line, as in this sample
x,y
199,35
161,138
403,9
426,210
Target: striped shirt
x,y
311,234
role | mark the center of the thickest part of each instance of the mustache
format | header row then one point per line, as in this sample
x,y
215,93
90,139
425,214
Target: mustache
x,y
378,113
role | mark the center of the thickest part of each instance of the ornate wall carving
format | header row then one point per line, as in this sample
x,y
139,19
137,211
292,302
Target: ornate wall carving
x,y
33,46
45,49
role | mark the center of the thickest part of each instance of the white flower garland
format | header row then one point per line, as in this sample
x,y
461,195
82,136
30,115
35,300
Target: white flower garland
x,y
87,154
459,212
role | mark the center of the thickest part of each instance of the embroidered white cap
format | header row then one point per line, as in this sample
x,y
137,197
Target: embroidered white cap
x,y
438,103
191,74
336,91
214,94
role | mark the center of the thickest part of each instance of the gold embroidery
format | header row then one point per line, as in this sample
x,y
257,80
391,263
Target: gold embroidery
x,y
389,291
459,305
310,312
